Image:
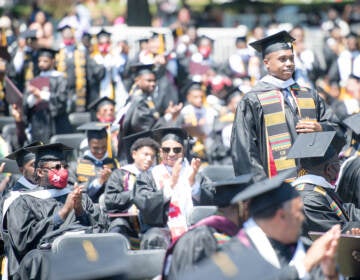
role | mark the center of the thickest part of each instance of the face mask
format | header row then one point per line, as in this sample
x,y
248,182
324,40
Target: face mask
x,y
104,48
58,178
69,42
106,120
205,51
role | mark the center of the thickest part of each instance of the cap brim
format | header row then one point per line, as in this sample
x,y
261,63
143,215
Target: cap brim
x,y
262,187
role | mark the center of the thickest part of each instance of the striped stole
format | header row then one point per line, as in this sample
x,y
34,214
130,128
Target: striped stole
x,y
277,133
334,205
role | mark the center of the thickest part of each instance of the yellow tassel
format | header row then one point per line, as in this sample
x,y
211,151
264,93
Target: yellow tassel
x,y
162,44
109,148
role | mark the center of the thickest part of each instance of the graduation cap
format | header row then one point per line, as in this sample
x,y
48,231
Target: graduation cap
x,y
49,152
63,27
140,69
353,122
10,166
268,193
170,133
314,148
95,130
22,156
278,41
240,39
103,33
226,190
48,52
98,103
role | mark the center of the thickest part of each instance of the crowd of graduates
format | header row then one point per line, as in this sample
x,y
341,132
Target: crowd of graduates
x,y
148,140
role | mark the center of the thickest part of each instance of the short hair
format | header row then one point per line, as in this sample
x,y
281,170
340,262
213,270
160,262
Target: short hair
x,y
144,142
266,213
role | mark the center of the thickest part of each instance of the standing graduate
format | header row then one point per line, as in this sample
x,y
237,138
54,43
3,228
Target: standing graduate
x,y
95,167
139,113
55,208
45,101
270,116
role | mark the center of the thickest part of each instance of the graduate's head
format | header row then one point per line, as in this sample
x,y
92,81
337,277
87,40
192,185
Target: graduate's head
x,y
25,161
104,41
97,137
225,191
67,34
318,154
46,59
50,165
143,152
276,207
277,53
172,144
195,95
205,45
105,109
145,77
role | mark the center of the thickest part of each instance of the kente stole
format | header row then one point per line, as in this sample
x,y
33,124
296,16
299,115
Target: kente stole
x,y
80,75
278,137
334,205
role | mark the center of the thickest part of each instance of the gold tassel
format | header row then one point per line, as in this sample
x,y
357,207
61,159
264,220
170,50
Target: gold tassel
x,y
162,44
109,148
3,38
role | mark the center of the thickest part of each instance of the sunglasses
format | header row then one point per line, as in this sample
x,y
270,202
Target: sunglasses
x,y
57,166
176,150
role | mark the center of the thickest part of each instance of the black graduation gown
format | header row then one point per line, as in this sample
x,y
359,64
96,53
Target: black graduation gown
x,y
117,199
248,141
140,116
236,262
49,117
26,228
319,215
247,263
165,91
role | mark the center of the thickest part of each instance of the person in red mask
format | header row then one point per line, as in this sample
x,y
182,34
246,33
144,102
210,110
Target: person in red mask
x,y
54,207
205,49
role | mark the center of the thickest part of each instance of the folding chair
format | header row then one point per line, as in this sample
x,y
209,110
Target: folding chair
x,y
72,140
78,118
6,120
200,212
218,172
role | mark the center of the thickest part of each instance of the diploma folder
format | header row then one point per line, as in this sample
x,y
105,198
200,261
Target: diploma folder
x,y
348,255
41,83
12,93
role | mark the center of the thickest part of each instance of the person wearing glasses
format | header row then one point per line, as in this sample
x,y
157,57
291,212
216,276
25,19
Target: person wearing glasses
x,y
33,219
166,194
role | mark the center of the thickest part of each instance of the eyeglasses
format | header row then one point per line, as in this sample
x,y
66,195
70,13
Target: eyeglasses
x,y
176,150
57,166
